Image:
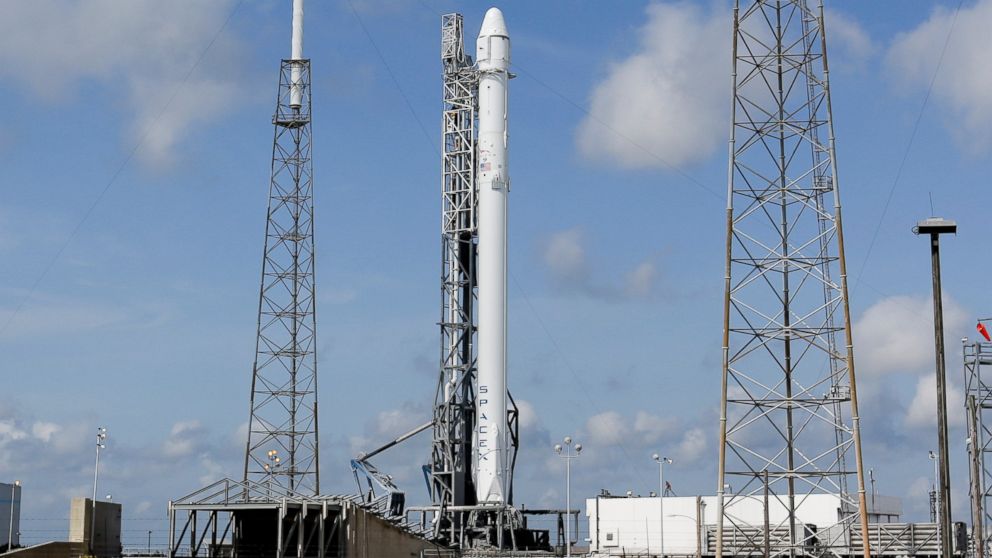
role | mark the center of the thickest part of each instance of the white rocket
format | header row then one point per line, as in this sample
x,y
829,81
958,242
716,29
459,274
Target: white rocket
x,y
492,435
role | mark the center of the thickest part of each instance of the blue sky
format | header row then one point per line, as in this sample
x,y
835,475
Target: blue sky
x,y
134,166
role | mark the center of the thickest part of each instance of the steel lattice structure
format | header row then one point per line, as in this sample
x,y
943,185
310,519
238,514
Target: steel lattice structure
x,y
978,409
789,415
284,382
452,488
451,482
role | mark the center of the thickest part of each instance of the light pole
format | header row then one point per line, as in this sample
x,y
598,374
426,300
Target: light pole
x,y
101,443
274,462
936,227
661,497
871,478
149,543
566,452
10,534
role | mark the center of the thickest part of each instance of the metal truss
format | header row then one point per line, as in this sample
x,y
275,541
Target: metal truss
x,y
789,414
282,442
978,406
449,473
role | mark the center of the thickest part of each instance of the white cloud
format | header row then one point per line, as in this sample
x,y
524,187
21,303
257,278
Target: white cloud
x,y
896,333
922,410
527,418
184,439
848,41
640,282
693,445
44,430
140,51
565,255
668,101
652,427
606,429
965,76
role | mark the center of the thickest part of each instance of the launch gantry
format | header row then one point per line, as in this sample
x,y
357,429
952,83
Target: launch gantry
x,y
461,518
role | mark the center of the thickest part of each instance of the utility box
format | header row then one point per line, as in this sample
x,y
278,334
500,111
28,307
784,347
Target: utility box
x,y
99,527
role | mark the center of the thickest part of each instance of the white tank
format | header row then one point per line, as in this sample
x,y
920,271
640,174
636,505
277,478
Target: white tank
x,y
492,436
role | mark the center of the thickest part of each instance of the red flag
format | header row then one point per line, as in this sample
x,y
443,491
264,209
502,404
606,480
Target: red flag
x,y
983,331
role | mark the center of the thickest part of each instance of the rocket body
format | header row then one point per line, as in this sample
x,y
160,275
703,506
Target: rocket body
x,y
492,433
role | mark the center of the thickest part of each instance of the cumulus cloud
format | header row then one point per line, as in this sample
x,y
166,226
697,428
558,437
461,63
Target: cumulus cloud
x,y
693,445
139,51
965,76
896,333
849,42
607,429
184,439
922,410
666,103
652,427
565,257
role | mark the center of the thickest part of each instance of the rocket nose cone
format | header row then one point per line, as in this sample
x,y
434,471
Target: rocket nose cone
x,y
493,24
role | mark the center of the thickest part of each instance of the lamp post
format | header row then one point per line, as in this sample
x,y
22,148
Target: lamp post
x,y
935,227
149,543
566,452
101,443
661,497
871,478
10,534
274,463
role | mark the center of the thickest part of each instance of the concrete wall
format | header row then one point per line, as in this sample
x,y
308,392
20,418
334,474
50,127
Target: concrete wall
x,y
369,536
50,550
106,529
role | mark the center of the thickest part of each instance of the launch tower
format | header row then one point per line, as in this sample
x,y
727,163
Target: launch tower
x,y
475,420
789,418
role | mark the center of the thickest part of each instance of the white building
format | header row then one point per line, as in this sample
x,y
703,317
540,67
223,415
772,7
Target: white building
x,y
632,524
10,505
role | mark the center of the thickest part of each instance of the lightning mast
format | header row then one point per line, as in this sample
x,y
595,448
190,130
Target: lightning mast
x,y
789,412
282,441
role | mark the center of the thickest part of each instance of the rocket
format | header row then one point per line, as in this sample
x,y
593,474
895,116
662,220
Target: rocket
x,y
492,433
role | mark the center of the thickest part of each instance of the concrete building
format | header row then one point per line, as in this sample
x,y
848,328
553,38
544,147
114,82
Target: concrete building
x,y
106,529
10,515
632,524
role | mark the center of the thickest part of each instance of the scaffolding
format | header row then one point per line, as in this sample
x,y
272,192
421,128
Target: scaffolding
x,y
978,409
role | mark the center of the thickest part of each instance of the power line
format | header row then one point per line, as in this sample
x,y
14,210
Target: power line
x,y
909,145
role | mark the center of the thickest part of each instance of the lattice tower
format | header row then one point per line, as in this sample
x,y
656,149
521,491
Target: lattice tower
x,y
284,382
978,392
789,415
